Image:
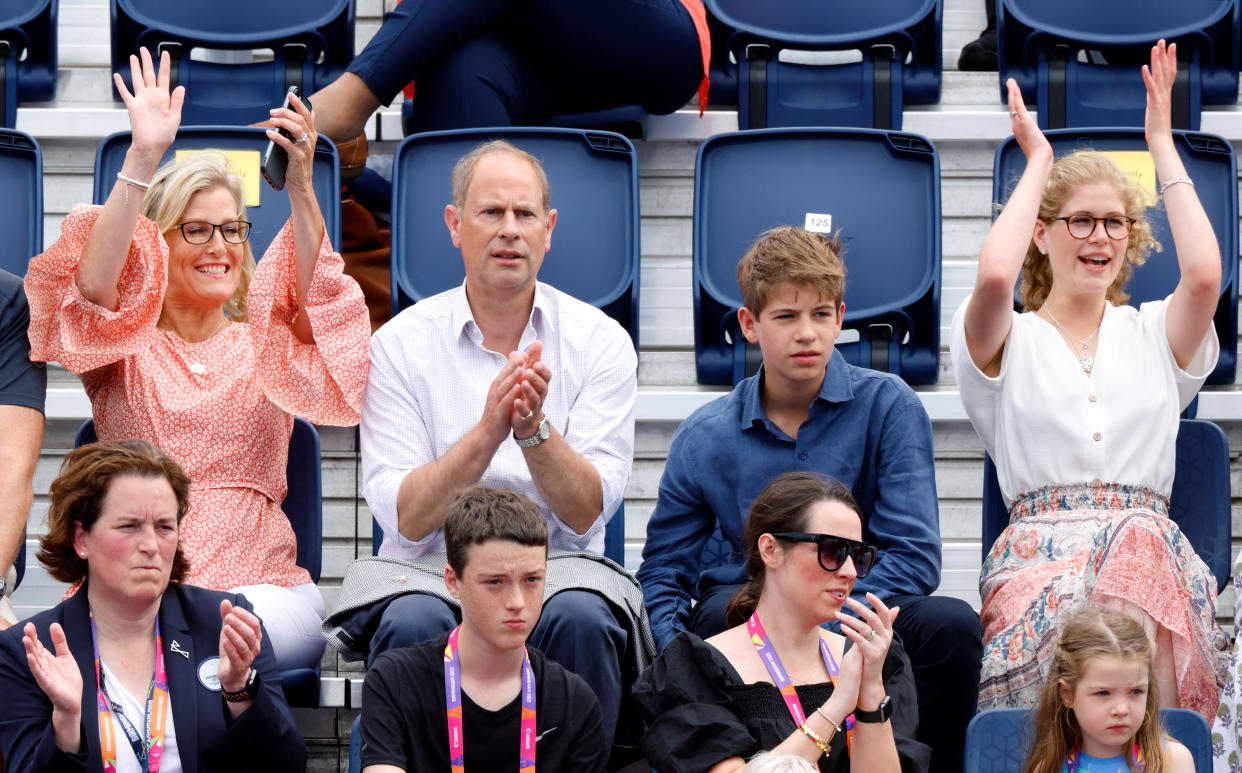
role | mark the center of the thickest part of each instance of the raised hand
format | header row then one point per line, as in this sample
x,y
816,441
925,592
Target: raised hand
x,y
154,113
872,633
528,407
299,122
1159,78
1025,130
240,638
56,674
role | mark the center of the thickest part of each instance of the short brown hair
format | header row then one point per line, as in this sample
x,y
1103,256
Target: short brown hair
x,y
481,514
77,496
463,171
791,256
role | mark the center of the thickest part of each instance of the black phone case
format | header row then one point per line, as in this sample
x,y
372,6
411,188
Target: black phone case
x,y
275,159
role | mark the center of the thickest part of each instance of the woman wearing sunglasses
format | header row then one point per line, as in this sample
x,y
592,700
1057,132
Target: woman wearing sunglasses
x,y
777,679
1077,401
155,301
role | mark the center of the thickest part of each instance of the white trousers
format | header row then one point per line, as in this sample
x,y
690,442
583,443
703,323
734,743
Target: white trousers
x,y
293,619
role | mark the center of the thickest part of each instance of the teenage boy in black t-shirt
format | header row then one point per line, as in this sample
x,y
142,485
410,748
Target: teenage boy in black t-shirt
x,y
497,545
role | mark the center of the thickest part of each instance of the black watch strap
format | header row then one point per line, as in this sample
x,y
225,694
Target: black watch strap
x,y
881,713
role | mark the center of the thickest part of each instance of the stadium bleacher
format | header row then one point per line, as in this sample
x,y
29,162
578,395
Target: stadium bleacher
x,y
966,127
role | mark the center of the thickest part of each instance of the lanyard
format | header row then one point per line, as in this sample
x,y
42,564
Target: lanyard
x,y
148,750
767,653
1072,759
452,699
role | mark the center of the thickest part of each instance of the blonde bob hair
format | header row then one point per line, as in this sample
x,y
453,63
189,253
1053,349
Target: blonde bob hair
x,y
1072,172
1094,633
175,184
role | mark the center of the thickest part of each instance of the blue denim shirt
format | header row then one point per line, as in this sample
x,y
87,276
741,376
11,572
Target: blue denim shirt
x,y
865,428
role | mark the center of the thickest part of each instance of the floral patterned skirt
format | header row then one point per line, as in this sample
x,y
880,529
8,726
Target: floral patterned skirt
x,y
1073,545
1227,726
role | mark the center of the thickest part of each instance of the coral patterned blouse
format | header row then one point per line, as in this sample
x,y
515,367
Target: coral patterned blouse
x,y
224,407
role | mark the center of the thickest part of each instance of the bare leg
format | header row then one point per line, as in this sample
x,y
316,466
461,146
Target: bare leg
x,y
343,107
1162,640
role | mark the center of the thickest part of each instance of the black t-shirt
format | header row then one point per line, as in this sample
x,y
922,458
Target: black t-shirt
x,y
404,722
22,382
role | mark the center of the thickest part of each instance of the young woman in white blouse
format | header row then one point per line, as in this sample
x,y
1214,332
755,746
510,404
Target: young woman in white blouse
x,y
1077,401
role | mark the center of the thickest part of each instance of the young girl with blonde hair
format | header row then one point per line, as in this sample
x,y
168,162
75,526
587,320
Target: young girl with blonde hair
x,y
1099,708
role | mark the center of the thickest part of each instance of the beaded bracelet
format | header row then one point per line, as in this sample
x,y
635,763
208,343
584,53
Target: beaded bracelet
x,y
823,745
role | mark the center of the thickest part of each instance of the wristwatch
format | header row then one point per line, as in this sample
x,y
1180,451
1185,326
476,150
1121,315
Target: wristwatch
x,y
881,713
541,434
246,693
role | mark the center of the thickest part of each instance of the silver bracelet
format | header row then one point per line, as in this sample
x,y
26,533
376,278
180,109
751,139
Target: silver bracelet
x,y
144,186
1169,183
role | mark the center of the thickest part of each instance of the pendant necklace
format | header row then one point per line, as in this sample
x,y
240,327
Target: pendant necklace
x,y
1086,362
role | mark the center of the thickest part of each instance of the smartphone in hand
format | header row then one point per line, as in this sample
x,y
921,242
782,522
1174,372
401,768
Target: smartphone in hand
x,y
275,159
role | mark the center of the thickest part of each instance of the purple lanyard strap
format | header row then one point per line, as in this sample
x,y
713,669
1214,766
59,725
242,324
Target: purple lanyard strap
x,y
452,699
148,750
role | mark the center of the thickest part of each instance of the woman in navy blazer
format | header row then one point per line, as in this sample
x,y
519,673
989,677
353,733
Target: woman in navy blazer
x,y
192,665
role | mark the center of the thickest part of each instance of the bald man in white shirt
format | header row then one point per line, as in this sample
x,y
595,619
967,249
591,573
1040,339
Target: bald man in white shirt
x,y
504,382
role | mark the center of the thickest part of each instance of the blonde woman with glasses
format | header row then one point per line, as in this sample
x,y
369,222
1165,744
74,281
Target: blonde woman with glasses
x,y
155,301
1077,401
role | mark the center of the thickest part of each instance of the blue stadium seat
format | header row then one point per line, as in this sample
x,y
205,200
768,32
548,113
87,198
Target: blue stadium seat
x,y
997,741
614,537
1199,504
311,42
594,181
27,54
881,190
303,505
1211,163
897,60
273,210
21,199
1080,65
628,120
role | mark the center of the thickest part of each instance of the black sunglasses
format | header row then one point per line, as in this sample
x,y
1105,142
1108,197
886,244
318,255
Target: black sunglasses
x,y
834,550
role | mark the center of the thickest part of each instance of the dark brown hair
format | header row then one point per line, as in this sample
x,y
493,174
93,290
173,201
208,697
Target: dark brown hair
x,y
1093,633
781,506
77,496
791,256
481,514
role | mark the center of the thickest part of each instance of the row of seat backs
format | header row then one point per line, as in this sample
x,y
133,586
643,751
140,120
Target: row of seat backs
x,y
881,189
1199,503
27,54
999,740
1080,64
312,42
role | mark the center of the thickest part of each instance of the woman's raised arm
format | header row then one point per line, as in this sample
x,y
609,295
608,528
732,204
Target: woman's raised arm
x,y
154,116
1000,259
1198,255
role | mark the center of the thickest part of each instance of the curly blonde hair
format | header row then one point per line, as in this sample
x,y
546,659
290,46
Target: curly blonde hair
x,y
172,187
1072,172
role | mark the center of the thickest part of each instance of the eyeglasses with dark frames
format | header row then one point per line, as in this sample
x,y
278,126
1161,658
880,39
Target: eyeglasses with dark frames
x,y
201,232
1082,226
834,550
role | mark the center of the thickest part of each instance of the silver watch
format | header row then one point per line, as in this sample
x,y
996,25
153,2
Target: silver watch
x,y
541,434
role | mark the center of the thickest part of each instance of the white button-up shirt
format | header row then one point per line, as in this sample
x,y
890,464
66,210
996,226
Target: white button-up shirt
x,y
429,378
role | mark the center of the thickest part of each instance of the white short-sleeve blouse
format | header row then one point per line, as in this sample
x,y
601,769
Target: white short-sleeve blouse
x,y
1044,421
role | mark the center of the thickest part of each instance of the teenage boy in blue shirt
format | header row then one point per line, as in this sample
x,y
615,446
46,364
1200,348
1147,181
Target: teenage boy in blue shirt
x,y
807,409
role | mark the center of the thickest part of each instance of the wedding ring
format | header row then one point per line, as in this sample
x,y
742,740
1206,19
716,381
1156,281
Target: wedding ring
x,y
303,138
528,416
1013,113
871,635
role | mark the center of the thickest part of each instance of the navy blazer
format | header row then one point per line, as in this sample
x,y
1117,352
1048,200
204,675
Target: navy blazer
x,y
263,738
